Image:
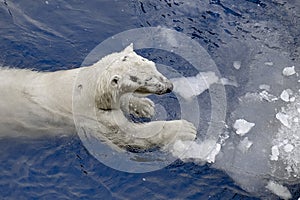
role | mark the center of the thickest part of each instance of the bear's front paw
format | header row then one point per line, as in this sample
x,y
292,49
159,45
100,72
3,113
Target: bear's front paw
x,y
179,130
141,107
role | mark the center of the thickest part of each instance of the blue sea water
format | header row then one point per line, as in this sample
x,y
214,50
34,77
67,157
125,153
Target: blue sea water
x,y
55,35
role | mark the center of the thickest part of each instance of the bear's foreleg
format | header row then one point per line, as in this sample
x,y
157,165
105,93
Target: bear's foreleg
x,y
165,133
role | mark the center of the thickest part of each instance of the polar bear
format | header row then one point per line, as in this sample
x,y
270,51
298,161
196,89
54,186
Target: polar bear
x,y
41,102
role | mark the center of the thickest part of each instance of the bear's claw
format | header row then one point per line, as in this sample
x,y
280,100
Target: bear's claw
x,y
141,107
178,130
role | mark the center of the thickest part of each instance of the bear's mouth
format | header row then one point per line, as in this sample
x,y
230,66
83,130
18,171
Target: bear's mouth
x,y
158,89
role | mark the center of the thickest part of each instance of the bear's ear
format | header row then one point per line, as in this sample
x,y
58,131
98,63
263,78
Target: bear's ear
x,y
114,81
129,48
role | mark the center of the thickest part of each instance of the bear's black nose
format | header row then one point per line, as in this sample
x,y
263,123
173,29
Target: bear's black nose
x,y
169,87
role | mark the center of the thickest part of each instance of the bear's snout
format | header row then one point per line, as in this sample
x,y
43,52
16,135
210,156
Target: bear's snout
x,y
164,87
169,87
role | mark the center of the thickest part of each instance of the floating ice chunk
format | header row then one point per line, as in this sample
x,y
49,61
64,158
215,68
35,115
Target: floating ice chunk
x,y
204,151
275,153
292,99
189,87
288,148
225,81
251,97
269,63
287,139
288,71
267,96
242,126
285,96
254,96
284,119
237,64
280,190
264,87
215,151
245,144
209,78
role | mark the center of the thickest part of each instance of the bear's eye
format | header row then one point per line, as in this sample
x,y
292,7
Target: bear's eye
x,y
143,59
133,78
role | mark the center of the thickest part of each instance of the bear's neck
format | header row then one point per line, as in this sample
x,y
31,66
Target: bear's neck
x,y
107,101
107,97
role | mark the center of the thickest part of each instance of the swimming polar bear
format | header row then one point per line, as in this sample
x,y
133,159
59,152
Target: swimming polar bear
x,y
39,103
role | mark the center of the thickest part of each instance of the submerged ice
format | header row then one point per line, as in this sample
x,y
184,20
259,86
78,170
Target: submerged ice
x,y
189,87
261,147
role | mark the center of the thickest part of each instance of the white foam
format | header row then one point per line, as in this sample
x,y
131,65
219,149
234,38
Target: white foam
x,y
242,126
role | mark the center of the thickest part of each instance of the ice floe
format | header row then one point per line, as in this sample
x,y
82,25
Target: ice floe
x,y
288,148
201,151
189,87
269,63
242,126
275,153
280,190
265,95
288,71
285,96
265,87
237,64
245,144
283,118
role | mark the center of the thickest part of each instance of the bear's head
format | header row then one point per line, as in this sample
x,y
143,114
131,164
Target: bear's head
x,y
127,72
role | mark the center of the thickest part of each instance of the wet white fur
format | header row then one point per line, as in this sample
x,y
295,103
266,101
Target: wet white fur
x,y
40,103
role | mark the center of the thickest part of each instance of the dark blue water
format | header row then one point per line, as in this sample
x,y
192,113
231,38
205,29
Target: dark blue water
x,y
54,35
